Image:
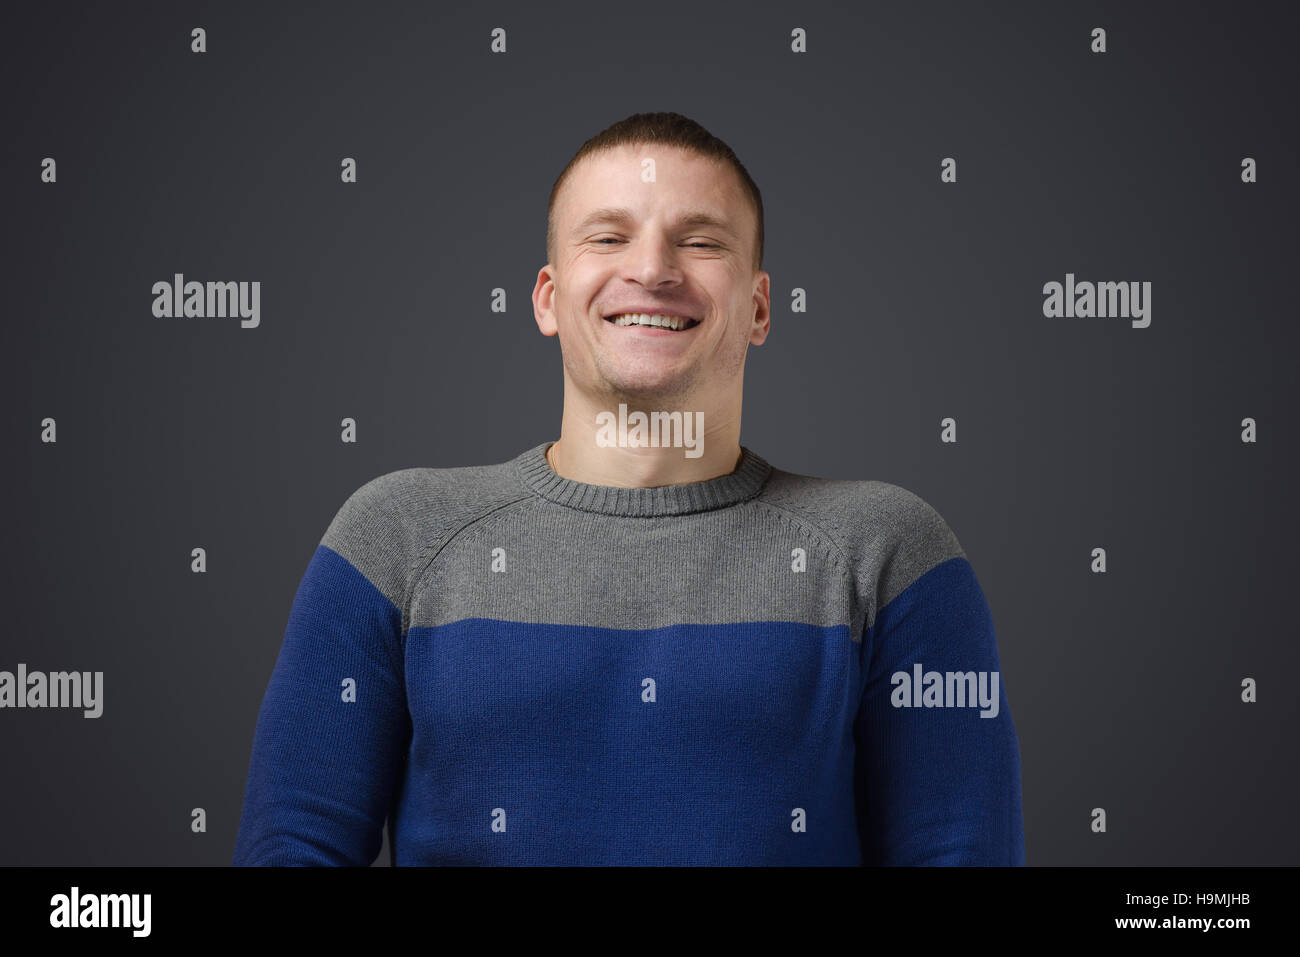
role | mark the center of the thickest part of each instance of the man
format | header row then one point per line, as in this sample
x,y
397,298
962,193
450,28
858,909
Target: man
x,y
605,652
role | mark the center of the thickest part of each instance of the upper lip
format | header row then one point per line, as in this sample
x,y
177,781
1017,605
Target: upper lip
x,y
650,311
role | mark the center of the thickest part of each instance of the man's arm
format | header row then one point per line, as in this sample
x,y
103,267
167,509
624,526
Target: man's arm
x,y
331,734
937,785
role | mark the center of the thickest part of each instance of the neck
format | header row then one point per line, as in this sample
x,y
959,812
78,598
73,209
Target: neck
x,y
703,453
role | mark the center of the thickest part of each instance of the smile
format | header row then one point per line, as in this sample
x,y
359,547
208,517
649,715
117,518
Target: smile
x,y
653,320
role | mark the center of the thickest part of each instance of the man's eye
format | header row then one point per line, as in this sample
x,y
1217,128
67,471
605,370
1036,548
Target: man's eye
x,y
613,239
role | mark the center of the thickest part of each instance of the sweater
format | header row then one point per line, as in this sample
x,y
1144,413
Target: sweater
x,y
510,667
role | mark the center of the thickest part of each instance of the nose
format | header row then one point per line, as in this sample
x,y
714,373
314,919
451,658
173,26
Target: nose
x,y
652,261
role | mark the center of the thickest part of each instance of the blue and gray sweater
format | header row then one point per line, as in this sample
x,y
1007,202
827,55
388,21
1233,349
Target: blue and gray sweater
x,y
511,667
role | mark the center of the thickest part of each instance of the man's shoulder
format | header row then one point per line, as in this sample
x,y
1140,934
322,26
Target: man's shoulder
x,y
410,489
389,521
888,534
865,509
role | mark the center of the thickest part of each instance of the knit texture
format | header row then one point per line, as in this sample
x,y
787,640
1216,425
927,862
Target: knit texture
x,y
511,667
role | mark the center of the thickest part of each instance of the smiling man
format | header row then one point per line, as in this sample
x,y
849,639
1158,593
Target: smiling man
x,y
609,651
653,283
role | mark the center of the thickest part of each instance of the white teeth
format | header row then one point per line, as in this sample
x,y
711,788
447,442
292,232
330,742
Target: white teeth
x,y
643,319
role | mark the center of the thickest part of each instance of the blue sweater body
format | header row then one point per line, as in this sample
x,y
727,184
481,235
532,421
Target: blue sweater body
x,y
508,667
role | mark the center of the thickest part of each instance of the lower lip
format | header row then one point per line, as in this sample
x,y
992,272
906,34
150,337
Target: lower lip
x,y
652,330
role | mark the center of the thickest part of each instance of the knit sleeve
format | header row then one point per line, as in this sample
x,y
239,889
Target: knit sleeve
x,y
937,773
331,734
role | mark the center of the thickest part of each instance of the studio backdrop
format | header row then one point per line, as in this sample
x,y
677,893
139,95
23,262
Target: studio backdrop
x,y
1029,261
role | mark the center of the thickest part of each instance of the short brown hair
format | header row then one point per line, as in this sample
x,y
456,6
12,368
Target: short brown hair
x,y
670,129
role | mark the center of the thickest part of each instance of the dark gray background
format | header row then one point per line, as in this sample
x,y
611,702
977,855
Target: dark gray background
x,y
924,302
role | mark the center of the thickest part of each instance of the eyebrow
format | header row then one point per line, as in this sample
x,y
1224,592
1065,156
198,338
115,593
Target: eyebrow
x,y
619,214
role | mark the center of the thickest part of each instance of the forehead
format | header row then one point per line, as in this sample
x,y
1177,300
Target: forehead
x,y
683,182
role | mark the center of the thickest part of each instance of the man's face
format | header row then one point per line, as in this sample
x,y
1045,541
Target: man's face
x,y
624,245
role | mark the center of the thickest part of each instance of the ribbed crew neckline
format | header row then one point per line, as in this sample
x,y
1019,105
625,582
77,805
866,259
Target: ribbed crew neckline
x,y
719,492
